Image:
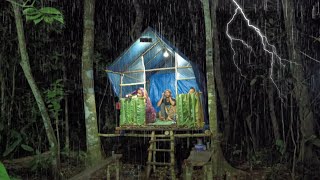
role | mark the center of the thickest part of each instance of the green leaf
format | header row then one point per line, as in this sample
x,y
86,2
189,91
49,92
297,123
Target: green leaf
x,y
30,11
3,172
56,106
33,17
51,94
48,19
59,18
12,147
37,21
50,10
27,148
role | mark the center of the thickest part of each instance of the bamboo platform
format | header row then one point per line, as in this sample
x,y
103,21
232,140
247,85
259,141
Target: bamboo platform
x,y
157,128
145,131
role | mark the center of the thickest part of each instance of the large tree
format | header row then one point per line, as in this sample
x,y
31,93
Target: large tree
x,y
25,65
219,165
92,138
300,91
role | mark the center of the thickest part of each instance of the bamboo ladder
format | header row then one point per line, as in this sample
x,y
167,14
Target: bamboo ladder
x,y
167,137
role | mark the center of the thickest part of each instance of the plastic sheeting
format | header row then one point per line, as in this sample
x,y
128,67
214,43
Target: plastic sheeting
x,y
161,82
158,84
132,112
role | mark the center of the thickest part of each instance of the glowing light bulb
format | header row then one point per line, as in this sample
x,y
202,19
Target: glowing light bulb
x,y
166,54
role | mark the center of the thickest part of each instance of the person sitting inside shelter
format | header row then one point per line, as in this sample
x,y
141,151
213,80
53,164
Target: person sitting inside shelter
x,y
167,106
192,90
150,111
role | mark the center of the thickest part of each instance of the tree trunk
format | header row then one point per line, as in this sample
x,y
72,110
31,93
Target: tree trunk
x,y
10,108
218,76
301,93
219,165
273,116
66,110
137,27
3,87
13,93
35,90
92,138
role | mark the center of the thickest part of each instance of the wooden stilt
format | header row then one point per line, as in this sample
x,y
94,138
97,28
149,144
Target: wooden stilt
x,y
188,173
154,156
172,158
150,155
117,170
108,173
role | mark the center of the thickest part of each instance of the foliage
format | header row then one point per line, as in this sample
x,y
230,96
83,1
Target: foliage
x,y
46,14
280,146
81,155
279,171
40,161
3,173
17,139
53,96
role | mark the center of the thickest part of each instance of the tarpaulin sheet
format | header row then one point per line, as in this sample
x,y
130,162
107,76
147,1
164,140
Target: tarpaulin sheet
x,y
133,111
158,84
189,111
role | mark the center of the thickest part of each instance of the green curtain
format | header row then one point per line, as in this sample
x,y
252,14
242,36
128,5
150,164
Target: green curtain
x,y
189,111
132,112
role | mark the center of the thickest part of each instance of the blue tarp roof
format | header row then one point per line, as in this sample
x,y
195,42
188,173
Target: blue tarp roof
x,y
151,52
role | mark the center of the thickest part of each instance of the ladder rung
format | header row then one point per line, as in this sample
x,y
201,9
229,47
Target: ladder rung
x,y
161,150
159,163
160,140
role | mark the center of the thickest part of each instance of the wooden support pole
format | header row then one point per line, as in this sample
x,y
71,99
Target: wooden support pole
x,y
150,155
205,172
210,172
172,158
108,172
154,155
188,172
117,169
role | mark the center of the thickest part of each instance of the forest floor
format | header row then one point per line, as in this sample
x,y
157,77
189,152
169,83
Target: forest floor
x,y
40,170
137,172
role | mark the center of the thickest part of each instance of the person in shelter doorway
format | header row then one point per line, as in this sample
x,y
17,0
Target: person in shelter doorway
x,y
167,105
150,111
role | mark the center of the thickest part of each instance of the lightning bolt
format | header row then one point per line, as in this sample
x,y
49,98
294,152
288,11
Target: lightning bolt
x,y
267,47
